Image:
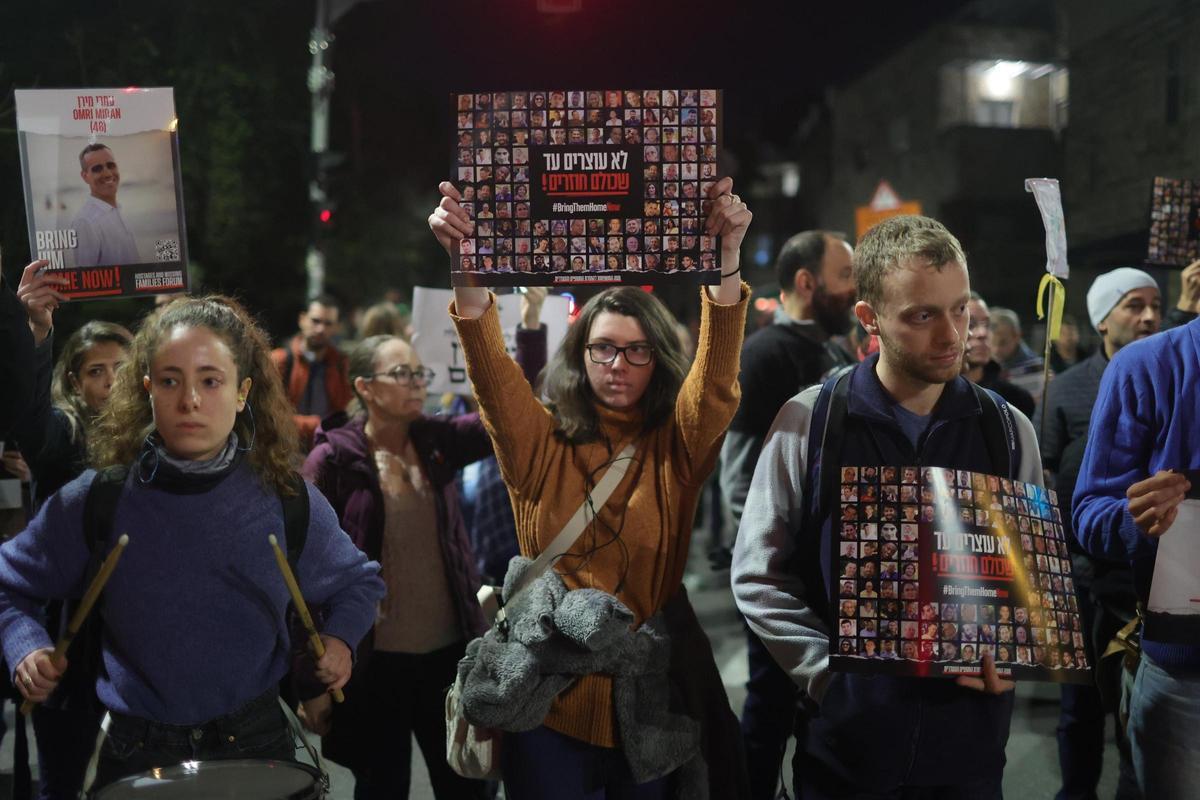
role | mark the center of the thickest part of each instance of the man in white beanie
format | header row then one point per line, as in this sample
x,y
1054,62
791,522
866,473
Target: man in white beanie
x,y
1123,305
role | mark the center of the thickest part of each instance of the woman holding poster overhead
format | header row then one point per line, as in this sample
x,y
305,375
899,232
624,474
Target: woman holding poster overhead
x,y
619,378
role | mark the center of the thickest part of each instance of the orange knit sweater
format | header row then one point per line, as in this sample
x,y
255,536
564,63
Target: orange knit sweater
x,y
652,507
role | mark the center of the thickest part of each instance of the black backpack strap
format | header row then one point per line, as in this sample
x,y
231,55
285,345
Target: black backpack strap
x,y
295,534
295,520
826,432
78,688
1000,432
99,507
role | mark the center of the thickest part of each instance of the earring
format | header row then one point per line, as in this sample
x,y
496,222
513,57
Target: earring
x,y
253,430
148,449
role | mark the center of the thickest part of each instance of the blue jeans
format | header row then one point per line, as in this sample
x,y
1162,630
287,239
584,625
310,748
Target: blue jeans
x,y
257,730
1164,722
542,764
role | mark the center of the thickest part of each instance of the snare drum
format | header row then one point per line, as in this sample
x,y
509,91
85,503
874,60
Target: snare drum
x,y
221,780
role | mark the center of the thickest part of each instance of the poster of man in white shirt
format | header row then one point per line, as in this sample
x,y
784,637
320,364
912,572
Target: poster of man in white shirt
x,y
102,237
102,189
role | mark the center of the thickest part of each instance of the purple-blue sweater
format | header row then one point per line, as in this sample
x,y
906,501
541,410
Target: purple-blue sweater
x,y
195,612
1146,419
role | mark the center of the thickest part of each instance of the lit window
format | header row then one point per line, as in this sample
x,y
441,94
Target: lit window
x,y
998,93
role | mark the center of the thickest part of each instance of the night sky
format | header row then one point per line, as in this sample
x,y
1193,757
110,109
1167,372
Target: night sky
x,y
397,62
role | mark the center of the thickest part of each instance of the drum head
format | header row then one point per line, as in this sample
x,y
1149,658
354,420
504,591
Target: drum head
x,y
220,780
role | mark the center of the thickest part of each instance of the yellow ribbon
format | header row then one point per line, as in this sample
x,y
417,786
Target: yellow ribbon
x,y
1058,303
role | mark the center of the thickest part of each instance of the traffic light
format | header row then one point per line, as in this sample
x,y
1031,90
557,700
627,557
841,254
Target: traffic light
x,y
322,191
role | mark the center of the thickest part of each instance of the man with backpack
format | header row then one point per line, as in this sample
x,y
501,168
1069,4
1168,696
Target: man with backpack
x,y
879,736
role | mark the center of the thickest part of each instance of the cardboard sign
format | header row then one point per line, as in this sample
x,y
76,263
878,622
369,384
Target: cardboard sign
x,y
934,567
436,340
103,196
572,186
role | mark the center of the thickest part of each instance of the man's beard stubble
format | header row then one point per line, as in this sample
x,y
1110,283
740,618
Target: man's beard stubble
x,y
914,368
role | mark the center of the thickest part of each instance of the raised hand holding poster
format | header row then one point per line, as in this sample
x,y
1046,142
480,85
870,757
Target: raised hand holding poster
x,y
586,186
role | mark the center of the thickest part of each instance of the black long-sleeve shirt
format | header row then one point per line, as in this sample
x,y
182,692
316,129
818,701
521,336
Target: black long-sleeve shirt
x,y
16,362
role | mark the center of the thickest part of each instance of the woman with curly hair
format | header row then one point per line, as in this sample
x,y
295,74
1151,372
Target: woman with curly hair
x,y
194,632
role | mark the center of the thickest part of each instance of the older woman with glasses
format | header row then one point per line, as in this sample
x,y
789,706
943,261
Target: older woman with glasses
x,y
389,473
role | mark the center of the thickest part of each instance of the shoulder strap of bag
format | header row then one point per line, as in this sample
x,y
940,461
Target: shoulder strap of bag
x,y
295,520
826,429
826,432
99,506
999,432
578,523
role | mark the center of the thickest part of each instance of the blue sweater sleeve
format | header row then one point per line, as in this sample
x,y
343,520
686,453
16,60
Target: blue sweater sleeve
x,y
47,560
336,575
1117,456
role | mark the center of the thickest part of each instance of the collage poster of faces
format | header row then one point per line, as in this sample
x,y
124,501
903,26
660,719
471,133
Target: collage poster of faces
x,y
933,568
586,186
1174,222
103,195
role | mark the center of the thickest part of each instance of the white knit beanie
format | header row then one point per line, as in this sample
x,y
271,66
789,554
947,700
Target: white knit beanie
x,y
1108,289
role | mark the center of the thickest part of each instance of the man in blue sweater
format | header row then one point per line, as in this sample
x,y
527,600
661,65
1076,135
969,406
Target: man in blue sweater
x,y
1145,434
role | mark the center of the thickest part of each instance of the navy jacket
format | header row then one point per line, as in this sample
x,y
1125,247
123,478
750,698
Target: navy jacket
x,y
874,732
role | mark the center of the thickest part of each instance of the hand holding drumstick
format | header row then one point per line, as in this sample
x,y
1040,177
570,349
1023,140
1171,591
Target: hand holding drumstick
x,y
332,654
38,674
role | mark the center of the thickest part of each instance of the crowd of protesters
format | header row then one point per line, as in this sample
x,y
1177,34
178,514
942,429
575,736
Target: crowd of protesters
x,y
207,439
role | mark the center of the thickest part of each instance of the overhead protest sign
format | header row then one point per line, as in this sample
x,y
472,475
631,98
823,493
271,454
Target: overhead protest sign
x,y
103,195
572,186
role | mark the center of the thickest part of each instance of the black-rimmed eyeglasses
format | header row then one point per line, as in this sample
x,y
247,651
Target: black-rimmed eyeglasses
x,y
404,374
636,355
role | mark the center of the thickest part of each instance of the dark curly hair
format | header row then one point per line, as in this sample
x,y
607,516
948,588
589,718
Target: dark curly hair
x,y
127,419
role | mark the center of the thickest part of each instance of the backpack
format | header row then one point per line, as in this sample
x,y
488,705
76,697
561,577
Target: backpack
x,y
99,508
826,432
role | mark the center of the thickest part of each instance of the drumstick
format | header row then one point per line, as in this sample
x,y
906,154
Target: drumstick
x,y
85,605
314,640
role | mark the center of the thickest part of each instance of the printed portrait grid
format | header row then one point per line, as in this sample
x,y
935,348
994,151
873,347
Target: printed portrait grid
x,y
1174,222
882,612
676,131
